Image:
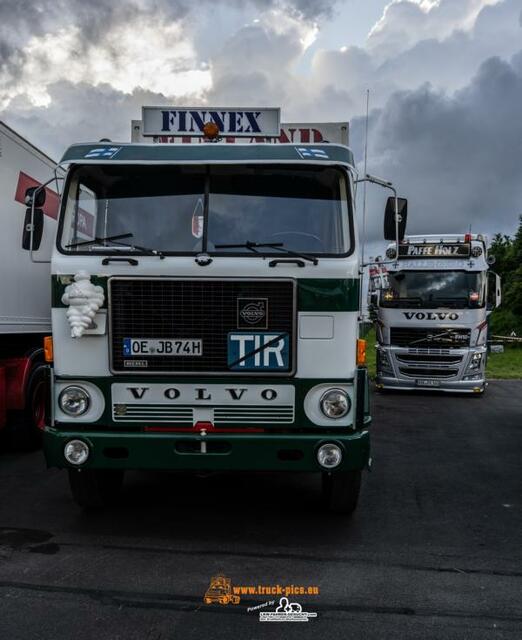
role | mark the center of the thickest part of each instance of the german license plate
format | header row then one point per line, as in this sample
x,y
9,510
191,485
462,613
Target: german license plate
x,y
427,383
162,347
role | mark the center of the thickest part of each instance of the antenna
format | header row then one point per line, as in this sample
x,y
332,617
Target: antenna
x,y
364,201
365,173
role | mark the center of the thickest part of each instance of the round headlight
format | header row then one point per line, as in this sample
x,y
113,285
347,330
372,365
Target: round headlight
x,y
76,452
329,456
74,401
390,253
335,403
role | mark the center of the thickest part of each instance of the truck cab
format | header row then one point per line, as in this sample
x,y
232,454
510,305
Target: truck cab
x,y
206,302
432,315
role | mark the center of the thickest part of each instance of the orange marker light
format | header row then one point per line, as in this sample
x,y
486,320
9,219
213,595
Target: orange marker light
x,y
211,130
361,351
48,349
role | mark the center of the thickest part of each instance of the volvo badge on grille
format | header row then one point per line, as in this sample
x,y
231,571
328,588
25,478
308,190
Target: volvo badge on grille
x,y
252,312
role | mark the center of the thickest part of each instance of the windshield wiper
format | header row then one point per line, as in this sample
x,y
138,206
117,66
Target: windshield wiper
x,y
115,240
396,302
278,246
98,240
453,301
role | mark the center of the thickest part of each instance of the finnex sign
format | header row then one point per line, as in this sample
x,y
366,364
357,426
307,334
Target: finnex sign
x,y
238,122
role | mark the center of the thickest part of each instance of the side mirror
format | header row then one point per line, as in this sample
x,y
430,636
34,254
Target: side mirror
x,y
38,224
389,218
39,199
494,293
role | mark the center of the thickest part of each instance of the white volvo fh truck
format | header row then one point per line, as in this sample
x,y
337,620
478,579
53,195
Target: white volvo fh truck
x,y
432,314
205,308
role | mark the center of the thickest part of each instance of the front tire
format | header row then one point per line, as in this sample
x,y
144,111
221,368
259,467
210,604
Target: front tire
x,y
341,491
95,488
24,432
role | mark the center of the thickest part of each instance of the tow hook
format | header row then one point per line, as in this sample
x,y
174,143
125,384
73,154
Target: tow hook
x,y
203,443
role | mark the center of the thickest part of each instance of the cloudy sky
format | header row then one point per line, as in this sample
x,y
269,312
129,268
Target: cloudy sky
x,y
445,78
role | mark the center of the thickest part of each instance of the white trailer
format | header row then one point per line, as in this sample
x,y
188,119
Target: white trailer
x,y
25,294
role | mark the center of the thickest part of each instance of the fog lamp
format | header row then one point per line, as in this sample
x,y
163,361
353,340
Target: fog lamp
x,y
329,456
76,452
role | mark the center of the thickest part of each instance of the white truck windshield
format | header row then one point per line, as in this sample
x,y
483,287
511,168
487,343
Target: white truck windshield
x,y
193,209
433,289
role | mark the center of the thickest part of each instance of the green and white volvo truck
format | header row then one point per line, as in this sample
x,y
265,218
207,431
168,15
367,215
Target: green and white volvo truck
x,y
205,311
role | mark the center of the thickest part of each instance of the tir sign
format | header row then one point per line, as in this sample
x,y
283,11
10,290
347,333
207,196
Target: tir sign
x,y
258,351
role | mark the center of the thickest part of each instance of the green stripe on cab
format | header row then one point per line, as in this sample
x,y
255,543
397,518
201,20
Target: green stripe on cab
x,y
316,294
313,294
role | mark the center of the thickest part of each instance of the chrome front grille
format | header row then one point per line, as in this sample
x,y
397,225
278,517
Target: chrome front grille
x,y
424,337
428,372
254,415
433,359
175,414
186,415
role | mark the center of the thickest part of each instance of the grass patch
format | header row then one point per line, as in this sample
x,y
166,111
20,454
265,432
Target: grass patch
x,y
507,365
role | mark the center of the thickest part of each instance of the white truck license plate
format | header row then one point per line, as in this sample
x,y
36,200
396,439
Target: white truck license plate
x,y
428,383
162,347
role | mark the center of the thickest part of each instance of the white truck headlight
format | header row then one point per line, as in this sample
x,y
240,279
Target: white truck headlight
x,y
329,456
335,403
74,401
475,362
76,452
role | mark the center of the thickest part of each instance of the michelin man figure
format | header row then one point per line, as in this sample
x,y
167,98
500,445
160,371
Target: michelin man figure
x,y
83,299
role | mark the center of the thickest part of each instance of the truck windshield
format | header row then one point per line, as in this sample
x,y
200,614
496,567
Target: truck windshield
x,y
192,209
433,289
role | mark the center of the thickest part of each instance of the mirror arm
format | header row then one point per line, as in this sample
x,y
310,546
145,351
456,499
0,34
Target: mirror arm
x,y
385,184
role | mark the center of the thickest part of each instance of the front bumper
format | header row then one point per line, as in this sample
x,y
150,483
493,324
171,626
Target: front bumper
x,y
182,451
458,386
444,377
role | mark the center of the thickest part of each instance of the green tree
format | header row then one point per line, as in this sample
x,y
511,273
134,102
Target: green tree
x,y
508,264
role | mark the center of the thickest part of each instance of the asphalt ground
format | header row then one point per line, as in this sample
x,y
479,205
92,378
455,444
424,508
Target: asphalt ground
x,y
433,551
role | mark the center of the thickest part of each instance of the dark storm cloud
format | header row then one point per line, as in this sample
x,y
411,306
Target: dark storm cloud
x,y
22,19
451,146
457,158
80,112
